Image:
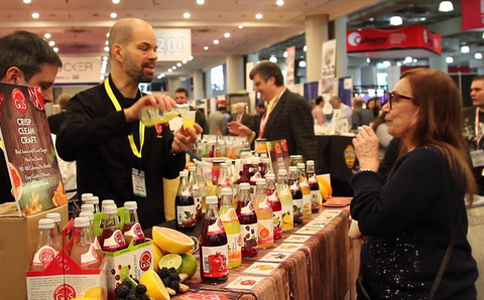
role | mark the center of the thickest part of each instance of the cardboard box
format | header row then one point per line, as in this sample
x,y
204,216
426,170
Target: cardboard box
x,y
18,243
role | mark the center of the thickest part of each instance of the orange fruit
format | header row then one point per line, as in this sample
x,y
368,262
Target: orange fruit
x,y
171,240
17,181
323,191
264,233
322,181
232,215
157,255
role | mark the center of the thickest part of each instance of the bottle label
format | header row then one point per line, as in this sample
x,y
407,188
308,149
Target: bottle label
x,y
264,204
196,188
135,232
96,243
90,257
248,209
115,242
235,247
214,260
266,231
307,204
44,256
216,228
186,216
277,220
287,217
250,234
198,203
297,208
315,199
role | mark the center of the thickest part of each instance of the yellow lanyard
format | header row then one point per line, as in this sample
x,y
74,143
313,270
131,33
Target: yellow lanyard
x,y
141,125
1,145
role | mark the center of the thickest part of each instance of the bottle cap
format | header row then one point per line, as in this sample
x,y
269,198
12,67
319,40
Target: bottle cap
x,y
226,191
263,156
87,207
260,181
46,224
270,176
107,201
81,222
183,173
54,216
301,166
87,214
244,186
310,163
93,200
192,168
292,169
110,209
85,196
130,205
282,172
255,160
211,200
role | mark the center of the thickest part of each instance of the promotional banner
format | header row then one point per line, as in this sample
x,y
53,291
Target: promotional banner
x,y
329,59
408,37
79,70
28,150
173,44
472,14
290,61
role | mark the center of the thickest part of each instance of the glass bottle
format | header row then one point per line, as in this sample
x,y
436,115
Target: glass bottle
x,y
224,179
296,193
56,217
46,249
286,201
107,202
202,183
90,216
184,204
316,199
152,115
83,251
132,229
94,200
232,228
248,221
275,204
196,190
112,238
85,196
214,248
303,183
268,166
264,216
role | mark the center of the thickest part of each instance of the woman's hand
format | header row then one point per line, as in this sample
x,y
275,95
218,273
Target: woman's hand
x,y
366,148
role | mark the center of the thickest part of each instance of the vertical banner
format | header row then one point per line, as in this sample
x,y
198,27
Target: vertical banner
x,y
472,14
28,150
290,62
329,59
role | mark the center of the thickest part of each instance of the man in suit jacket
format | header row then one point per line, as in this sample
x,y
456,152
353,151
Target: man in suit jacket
x,y
181,97
241,116
288,115
56,120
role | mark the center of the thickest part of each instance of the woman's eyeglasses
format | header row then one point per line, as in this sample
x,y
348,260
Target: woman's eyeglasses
x,y
394,97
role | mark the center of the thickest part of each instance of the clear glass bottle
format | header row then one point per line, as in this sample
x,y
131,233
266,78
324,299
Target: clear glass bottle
x,y
286,201
85,196
232,228
56,217
316,198
94,200
90,216
196,190
184,204
263,211
107,202
132,229
46,249
202,183
275,204
152,115
87,207
83,251
296,193
303,183
112,238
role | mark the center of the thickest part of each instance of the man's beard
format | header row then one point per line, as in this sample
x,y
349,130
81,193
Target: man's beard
x,y
135,73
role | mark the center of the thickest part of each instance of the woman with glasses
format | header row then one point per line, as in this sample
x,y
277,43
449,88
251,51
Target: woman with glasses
x,y
416,223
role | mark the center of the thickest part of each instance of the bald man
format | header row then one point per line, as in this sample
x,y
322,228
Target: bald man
x,y
117,156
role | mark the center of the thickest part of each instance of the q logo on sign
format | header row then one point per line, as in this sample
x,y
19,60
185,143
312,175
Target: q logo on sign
x,y
354,39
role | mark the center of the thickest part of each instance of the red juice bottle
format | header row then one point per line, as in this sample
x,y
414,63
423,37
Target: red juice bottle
x,y
197,194
131,228
184,204
316,199
112,239
297,196
214,249
248,221
275,204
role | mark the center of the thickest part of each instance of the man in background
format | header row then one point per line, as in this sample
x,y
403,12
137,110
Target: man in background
x,y
25,58
317,111
217,119
241,116
346,111
56,120
361,116
181,97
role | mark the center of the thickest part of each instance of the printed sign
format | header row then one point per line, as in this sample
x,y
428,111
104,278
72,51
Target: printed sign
x,y
329,59
79,70
173,44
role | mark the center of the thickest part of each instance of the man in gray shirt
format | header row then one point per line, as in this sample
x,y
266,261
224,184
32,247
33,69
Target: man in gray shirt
x,y
361,116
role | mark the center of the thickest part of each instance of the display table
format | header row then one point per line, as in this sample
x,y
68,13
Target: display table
x,y
323,268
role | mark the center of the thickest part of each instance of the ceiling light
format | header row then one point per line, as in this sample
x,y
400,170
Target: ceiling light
x,y
200,2
396,20
55,49
47,35
465,49
446,6
422,19
285,54
106,49
107,34
184,61
205,48
399,64
258,16
414,60
159,76
52,43
449,59
408,59
227,34
273,59
478,55
35,15
162,75
216,42
191,57
115,1
113,15
302,64
105,58
241,26
305,48
27,1
178,64
386,63
280,2
170,70
106,43
368,60
173,68
187,15
371,19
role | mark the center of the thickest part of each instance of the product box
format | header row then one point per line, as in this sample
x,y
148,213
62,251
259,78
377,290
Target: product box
x,y
18,243
133,261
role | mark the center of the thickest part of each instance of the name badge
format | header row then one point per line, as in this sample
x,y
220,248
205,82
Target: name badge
x,y
139,184
477,158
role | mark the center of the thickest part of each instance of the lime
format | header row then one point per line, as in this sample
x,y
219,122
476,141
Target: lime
x,y
171,261
189,265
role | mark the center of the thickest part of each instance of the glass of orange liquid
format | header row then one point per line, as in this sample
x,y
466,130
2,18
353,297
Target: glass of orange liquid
x,y
188,118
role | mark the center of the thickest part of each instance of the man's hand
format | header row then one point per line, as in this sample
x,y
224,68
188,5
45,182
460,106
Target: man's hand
x,y
185,138
164,102
239,129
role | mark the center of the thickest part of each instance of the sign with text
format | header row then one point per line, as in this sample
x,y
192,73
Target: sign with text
x,y
472,14
290,63
173,44
28,150
79,70
329,59
408,37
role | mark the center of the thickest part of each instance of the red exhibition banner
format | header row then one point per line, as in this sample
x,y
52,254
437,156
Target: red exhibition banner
x,y
408,37
472,14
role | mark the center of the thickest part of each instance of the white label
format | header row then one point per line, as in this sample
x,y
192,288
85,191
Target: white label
x,y
195,188
186,215
248,209
315,198
277,220
90,257
297,208
216,228
214,260
235,245
226,216
135,232
96,243
115,241
266,232
44,256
